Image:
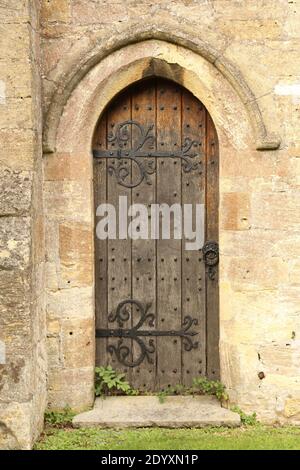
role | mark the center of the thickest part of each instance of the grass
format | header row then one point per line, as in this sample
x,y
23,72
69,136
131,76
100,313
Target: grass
x,y
256,437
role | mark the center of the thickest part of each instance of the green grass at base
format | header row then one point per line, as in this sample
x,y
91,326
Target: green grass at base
x,y
245,438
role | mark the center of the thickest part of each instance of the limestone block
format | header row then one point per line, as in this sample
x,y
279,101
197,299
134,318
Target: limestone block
x,y
15,321
75,303
54,352
14,243
16,76
65,166
292,407
55,10
250,317
71,387
69,200
294,276
15,426
76,254
247,273
277,211
91,12
235,213
14,11
77,347
15,190
54,51
17,114
257,242
15,378
53,327
51,276
17,149
252,28
281,358
51,241
19,37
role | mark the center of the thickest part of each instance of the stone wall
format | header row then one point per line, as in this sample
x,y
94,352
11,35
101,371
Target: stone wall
x,y
241,58
251,70
22,312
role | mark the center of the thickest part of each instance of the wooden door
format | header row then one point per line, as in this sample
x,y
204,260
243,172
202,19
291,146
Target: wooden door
x,y
156,302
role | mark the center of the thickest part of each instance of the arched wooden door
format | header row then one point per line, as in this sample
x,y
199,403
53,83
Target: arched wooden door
x,y
156,303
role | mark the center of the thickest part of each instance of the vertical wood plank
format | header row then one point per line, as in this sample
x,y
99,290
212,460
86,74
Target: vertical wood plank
x,y
193,269
119,251
100,196
168,251
143,251
212,222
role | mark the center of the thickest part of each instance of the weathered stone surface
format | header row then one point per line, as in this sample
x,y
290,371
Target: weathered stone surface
x,y
15,190
56,10
62,196
236,211
75,249
59,167
14,246
8,440
17,149
292,408
79,384
175,412
22,320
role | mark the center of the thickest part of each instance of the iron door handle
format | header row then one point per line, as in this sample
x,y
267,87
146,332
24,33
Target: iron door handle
x,y
210,252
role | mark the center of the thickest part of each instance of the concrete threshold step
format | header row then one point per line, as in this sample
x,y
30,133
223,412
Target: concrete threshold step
x,y
147,411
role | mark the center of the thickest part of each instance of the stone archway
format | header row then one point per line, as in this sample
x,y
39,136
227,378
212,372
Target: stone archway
x,y
70,214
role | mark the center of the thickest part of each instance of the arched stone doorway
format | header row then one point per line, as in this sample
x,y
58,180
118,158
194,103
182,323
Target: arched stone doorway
x,y
69,207
157,300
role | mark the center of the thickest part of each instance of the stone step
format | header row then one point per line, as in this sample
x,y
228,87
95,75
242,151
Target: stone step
x,y
147,411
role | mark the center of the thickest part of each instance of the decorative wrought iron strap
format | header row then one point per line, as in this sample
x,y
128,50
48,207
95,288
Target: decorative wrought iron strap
x,y
123,352
211,258
138,154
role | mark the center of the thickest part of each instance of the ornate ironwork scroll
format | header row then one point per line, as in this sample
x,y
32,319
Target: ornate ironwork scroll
x,y
123,352
211,258
142,159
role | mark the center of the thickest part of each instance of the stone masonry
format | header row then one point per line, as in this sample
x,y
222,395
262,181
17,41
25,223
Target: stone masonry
x,y
61,62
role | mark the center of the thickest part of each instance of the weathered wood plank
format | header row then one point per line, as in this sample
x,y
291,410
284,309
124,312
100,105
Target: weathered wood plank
x,y
212,223
193,270
119,251
144,251
168,251
100,196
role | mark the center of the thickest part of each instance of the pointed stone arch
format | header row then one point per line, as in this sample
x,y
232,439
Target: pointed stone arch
x,y
71,71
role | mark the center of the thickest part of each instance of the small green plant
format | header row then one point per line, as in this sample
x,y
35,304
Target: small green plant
x,y
201,386
210,387
247,420
59,419
175,390
110,382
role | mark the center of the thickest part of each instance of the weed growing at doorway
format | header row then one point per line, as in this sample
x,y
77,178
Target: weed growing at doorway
x,y
210,387
247,420
201,386
110,382
59,419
